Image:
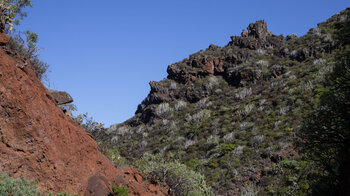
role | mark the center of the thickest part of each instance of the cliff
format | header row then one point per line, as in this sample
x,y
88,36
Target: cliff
x,y
39,142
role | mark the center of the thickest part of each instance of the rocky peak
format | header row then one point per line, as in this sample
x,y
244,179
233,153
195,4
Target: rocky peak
x,y
237,62
257,30
217,60
257,36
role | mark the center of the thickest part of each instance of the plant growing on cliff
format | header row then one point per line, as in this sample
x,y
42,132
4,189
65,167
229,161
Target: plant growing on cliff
x,y
11,12
24,43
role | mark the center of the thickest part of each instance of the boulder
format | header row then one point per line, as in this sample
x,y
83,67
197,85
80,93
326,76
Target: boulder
x,y
61,97
98,185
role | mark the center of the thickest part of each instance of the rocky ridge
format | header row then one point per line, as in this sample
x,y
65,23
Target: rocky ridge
x,y
231,113
230,62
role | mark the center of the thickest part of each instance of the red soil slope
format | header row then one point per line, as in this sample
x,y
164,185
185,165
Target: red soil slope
x,y
38,141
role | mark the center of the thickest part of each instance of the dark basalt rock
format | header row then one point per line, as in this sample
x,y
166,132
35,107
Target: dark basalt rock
x,y
239,57
161,92
241,76
258,30
216,60
245,42
256,37
167,91
300,55
181,73
147,115
194,94
213,47
224,61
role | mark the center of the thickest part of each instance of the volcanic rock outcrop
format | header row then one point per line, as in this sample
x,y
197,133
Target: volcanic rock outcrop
x,y
39,142
228,61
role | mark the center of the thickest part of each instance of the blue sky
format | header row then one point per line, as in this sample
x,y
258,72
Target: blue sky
x,y
105,52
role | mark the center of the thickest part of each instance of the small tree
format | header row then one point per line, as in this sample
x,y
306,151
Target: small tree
x,y
12,13
325,135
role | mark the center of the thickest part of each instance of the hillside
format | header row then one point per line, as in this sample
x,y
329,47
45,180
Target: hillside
x,y
39,142
232,113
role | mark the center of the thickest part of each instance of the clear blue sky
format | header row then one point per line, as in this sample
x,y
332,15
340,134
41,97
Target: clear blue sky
x,y
105,52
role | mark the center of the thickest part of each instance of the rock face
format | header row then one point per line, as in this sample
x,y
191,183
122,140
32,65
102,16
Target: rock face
x,y
39,142
228,61
258,30
234,62
4,39
219,61
61,97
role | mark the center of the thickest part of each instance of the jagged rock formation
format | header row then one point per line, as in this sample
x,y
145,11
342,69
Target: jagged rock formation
x,y
218,61
231,113
230,63
39,142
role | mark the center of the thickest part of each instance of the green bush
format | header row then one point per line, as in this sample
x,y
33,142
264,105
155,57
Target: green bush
x,y
178,176
116,158
120,190
64,194
10,186
228,148
88,123
250,190
17,186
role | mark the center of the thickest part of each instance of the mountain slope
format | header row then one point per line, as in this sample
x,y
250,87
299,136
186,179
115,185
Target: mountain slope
x,y
39,142
232,112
